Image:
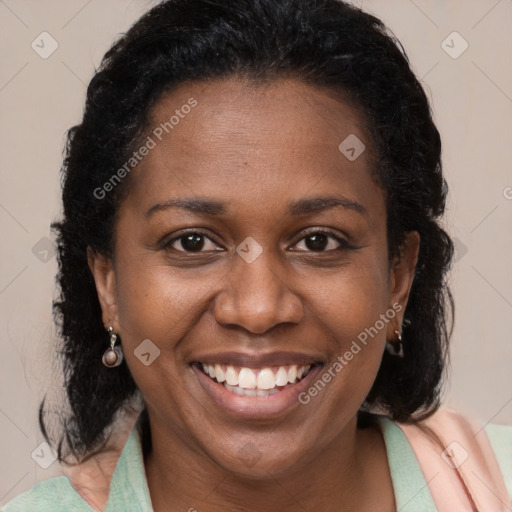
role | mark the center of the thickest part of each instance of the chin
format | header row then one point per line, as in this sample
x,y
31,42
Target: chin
x,y
254,462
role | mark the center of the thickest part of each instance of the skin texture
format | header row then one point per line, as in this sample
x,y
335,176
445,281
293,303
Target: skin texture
x,y
256,148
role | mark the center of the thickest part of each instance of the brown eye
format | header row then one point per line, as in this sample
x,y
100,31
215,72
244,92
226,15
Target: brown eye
x,y
317,242
194,241
321,241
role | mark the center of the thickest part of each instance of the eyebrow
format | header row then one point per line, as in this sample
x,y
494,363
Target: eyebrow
x,y
298,207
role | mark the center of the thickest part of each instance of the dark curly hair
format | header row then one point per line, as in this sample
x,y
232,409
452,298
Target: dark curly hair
x,y
325,43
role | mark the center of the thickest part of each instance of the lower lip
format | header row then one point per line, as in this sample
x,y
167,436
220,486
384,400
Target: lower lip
x,y
255,407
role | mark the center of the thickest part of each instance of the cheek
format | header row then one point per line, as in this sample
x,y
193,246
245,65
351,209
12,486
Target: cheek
x,y
352,299
157,302
157,305
352,310
161,302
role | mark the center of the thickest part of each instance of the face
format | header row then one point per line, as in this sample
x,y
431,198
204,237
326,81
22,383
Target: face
x,y
226,257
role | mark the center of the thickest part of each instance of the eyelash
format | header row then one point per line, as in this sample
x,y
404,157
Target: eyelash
x,y
344,245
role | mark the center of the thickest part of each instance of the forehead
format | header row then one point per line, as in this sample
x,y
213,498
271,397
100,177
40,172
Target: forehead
x,y
248,144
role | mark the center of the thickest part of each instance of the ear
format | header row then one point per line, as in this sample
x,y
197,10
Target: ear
x,y
403,268
102,270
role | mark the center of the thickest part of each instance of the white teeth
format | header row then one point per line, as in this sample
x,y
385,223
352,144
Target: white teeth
x,y
247,379
250,392
266,379
292,373
219,374
281,377
250,379
231,376
238,391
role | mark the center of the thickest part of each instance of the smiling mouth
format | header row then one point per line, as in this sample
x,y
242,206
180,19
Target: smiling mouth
x,y
252,382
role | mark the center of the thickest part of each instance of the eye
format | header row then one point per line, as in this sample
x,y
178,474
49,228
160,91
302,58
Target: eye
x,y
198,241
192,241
319,241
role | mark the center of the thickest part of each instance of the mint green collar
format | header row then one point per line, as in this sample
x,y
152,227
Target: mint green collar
x,y
129,490
409,484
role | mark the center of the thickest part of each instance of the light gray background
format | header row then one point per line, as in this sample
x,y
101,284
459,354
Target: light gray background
x,y
41,98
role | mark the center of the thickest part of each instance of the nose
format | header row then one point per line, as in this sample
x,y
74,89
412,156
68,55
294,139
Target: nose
x,y
257,297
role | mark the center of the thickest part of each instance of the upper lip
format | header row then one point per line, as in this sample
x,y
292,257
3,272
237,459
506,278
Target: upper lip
x,y
258,360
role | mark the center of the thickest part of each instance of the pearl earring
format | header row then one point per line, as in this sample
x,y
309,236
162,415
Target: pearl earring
x,y
113,356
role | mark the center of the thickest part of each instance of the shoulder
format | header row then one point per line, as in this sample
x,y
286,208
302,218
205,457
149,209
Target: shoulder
x,y
467,444
89,482
55,495
112,478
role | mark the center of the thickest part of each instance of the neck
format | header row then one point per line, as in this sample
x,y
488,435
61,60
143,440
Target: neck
x,y
345,475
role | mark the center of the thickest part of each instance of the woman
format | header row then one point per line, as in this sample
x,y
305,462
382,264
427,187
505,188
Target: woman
x,y
253,275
